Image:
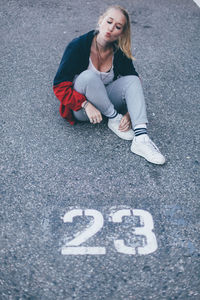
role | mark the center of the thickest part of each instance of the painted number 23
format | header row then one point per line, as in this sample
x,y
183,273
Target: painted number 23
x,y
74,247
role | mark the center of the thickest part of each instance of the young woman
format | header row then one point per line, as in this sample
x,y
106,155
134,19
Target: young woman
x,y
96,77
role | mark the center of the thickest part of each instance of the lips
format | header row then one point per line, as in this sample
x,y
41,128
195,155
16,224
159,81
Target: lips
x,y
108,34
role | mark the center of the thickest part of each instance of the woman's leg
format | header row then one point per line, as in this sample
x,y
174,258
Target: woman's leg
x,y
89,84
127,95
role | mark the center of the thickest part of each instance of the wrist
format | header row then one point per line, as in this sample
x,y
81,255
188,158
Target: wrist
x,y
84,104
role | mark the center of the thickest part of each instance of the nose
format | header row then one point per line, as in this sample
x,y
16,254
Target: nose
x,y
111,27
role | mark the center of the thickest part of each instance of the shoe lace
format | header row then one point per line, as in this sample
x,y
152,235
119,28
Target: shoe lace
x,y
154,149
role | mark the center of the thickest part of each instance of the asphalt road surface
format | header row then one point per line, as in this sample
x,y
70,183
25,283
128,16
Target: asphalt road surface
x,y
81,216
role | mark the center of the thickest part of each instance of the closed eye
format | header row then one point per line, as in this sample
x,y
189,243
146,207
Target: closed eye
x,y
118,27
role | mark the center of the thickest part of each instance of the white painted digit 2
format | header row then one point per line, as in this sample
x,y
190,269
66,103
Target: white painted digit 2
x,y
73,247
146,230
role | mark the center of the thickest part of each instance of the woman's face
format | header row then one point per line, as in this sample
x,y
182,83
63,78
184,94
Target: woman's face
x,y
112,25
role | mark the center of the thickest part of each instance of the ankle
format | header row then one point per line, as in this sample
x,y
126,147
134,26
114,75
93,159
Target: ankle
x,y
141,137
114,115
140,131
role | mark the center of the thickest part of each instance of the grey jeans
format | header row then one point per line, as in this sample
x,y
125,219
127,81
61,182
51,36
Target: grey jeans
x,y
122,95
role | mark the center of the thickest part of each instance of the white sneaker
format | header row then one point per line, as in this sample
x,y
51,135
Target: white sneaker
x,y
147,149
113,124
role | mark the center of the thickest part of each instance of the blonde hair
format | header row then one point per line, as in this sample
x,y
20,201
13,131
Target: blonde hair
x,y
124,41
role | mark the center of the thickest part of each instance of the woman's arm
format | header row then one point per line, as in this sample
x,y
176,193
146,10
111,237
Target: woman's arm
x,y
69,98
123,65
128,67
63,81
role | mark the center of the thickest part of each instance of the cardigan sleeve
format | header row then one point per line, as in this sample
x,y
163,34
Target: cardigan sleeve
x,y
63,81
123,65
128,67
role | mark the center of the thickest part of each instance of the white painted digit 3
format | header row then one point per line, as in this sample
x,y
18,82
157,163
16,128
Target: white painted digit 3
x,y
119,244
146,230
73,247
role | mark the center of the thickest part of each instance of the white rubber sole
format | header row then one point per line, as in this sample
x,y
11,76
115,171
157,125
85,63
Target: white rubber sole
x,y
160,161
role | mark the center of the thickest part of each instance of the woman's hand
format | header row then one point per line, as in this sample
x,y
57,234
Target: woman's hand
x,y
125,123
93,113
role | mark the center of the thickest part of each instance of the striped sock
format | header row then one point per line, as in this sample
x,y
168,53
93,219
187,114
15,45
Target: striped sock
x,y
113,115
139,131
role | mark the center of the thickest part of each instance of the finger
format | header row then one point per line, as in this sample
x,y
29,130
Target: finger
x,y
123,122
123,125
100,119
96,120
93,119
124,129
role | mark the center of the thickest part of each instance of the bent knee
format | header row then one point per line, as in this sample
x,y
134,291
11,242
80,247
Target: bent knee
x,y
83,80
133,80
87,75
